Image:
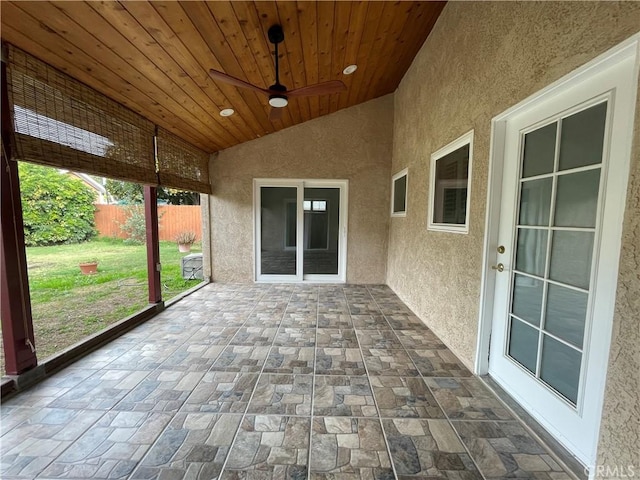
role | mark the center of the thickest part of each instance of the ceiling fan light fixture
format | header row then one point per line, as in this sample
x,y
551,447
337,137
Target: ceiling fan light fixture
x,y
278,101
350,69
227,112
279,94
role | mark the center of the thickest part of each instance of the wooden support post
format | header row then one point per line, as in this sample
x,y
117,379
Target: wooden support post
x,y
15,302
153,243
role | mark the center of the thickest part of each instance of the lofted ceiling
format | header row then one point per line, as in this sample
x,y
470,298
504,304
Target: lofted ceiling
x,y
154,56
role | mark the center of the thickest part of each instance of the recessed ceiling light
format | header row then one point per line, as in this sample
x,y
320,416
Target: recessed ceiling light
x,y
350,69
227,112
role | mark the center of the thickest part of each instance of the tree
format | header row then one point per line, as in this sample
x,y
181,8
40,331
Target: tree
x,y
125,192
132,193
56,208
135,225
178,197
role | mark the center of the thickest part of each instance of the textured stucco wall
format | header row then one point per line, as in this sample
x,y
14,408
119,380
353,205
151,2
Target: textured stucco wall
x,y
620,430
480,59
352,144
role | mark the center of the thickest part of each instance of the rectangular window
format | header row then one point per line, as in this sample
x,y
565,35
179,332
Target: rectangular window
x,y
399,194
450,186
319,205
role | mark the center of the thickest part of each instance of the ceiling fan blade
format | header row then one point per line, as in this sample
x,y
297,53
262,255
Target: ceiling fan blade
x,y
275,114
326,88
236,82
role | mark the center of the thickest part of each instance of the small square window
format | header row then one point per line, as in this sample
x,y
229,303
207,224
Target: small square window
x,y
399,194
451,186
319,205
306,205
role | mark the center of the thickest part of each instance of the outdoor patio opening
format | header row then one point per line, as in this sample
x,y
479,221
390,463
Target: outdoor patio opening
x,y
51,119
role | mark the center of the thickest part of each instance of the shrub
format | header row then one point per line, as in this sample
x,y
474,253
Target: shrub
x,y
135,226
56,208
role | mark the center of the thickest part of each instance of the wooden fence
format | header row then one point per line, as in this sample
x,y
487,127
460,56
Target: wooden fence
x,y
173,220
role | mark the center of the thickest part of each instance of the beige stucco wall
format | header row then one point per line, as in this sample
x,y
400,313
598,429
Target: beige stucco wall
x,y
620,431
352,144
480,59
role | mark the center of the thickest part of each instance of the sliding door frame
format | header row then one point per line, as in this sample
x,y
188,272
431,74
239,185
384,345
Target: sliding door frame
x,y
300,185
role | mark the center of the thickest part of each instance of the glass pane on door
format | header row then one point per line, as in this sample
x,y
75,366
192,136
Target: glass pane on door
x,y
321,230
577,198
278,209
564,380
582,138
539,151
555,238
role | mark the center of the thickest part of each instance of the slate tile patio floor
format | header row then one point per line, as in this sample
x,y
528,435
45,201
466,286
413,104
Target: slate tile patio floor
x,y
263,382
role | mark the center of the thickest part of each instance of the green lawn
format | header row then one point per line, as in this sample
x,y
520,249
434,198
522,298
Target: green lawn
x,y
67,306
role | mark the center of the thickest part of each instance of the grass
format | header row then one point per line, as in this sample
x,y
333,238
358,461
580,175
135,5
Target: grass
x,y
68,306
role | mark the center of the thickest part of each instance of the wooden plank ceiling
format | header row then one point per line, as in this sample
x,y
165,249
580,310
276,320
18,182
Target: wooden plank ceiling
x,y
154,56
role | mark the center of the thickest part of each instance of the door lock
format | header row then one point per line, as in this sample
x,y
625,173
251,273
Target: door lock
x,y
501,249
499,267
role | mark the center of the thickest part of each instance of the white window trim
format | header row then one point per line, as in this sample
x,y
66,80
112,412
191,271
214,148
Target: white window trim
x,y
398,175
466,139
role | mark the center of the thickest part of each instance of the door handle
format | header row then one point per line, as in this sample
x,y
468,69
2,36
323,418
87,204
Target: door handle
x,y
499,267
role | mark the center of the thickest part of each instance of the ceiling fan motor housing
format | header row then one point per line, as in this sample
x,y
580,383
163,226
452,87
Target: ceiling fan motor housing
x,y
275,34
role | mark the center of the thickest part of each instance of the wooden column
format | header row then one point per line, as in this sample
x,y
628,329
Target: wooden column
x,y
153,245
15,302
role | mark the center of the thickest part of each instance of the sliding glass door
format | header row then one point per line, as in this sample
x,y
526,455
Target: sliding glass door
x,y
300,230
278,207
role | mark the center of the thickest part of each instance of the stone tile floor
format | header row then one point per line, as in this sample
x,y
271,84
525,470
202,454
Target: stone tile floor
x,y
262,382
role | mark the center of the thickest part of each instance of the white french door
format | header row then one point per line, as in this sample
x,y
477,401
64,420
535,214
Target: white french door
x,y
565,171
300,230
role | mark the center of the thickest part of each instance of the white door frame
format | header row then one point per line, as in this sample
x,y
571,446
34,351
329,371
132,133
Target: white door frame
x,y
301,184
619,157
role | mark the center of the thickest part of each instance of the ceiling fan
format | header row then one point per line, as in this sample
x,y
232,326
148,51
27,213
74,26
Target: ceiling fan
x,y
278,93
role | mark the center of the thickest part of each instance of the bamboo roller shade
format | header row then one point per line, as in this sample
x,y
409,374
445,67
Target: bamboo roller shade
x,y
60,122
181,165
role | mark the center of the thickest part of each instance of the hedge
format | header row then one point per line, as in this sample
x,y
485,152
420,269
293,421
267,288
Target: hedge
x,y
57,208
